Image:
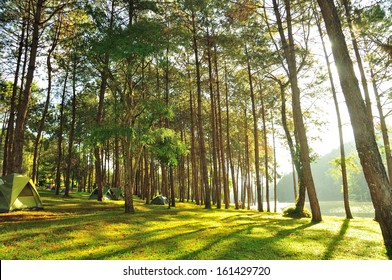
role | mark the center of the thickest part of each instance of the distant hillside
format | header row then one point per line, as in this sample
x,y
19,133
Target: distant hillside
x,y
329,188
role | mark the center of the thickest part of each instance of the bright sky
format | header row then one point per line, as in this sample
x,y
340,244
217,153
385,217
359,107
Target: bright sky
x,y
329,138
329,134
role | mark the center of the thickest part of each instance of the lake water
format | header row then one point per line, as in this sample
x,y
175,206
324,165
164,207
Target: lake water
x,y
333,208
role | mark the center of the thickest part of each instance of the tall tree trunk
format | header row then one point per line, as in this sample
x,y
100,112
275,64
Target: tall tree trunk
x,y
267,190
42,123
3,134
202,147
147,184
247,184
140,180
8,157
71,133
233,177
26,60
60,137
347,7
297,166
241,169
214,152
373,168
23,106
128,176
294,181
116,152
132,163
165,183
153,183
226,190
108,152
255,134
384,128
99,120
116,175
11,158
189,193
300,131
340,127
195,184
172,187
275,167
47,102
98,152
181,170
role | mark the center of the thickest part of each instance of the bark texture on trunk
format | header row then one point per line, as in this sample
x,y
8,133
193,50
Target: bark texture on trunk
x,y
202,146
255,134
340,126
25,98
300,131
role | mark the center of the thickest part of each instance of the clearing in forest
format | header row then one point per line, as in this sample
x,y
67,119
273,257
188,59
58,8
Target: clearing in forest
x,y
78,228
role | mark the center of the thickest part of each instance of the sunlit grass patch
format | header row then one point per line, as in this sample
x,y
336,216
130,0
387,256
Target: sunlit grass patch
x,y
78,228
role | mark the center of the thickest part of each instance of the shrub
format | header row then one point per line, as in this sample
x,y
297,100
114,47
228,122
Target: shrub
x,y
293,212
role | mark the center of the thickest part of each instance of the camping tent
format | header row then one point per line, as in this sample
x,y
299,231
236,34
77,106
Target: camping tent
x,y
116,193
160,200
18,192
108,194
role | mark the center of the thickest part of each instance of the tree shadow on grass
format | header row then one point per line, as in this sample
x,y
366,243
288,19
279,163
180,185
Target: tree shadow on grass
x,y
85,229
272,244
286,232
243,242
389,251
333,245
195,255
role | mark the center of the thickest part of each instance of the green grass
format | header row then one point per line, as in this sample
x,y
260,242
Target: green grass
x,y
78,228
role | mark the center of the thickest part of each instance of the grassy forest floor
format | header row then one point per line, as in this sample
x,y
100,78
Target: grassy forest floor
x,y
77,228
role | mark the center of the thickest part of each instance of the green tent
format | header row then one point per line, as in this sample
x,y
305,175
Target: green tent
x,y
18,192
108,194
117,193
160,200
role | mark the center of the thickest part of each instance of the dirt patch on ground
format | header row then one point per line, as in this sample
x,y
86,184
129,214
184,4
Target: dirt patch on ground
x,y
24,216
